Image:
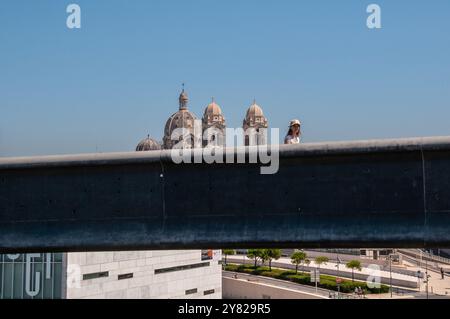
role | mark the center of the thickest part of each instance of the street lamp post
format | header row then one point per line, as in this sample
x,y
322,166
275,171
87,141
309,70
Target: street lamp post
x,y
338,261
317,273
418,278
390,273
426,275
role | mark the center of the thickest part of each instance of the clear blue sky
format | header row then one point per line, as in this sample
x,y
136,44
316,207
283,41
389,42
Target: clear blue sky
x,y
105,86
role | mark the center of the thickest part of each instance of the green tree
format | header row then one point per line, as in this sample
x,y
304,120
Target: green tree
x,y
263,255
227,252
297,258
307,262
321,260
354,264
254,254
272,254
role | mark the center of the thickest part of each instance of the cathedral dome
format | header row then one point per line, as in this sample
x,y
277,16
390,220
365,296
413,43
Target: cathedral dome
x,y
148,144
213,115
213,125
255,126
254,110
255,117
213,109
181,119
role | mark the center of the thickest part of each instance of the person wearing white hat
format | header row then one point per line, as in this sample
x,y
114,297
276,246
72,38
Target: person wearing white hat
x,y
293,135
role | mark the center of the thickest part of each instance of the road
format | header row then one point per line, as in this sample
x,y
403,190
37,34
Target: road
x,y
279,283
324,293
398,280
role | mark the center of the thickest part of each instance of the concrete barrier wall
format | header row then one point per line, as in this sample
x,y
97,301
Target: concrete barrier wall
x,y
392,193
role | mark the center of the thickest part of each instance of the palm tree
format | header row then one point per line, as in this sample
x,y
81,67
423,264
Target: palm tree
x,y
321,260
227,252
263,255
354,264
254,254
297,258
272,254
307,262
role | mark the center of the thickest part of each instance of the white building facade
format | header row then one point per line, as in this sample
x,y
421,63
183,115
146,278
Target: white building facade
x,y
186,274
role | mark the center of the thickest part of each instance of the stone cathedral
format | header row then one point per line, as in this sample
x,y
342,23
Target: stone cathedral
x,y
213,127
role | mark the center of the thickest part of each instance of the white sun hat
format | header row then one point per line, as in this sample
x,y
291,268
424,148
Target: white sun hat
x,y
295,122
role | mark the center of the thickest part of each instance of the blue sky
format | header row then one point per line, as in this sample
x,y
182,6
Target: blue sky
x,y
106,86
